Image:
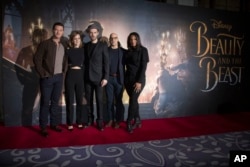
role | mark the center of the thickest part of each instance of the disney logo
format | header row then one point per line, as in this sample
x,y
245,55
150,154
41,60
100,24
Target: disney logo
x,y
219,25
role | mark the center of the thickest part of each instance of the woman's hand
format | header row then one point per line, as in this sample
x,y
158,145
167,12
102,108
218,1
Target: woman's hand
x,y
137,86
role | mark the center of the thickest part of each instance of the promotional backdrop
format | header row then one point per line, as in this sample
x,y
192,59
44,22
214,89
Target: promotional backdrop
x,y
198,57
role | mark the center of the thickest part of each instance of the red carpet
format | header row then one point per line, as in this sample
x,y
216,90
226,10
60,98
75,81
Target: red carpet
x,y
152,129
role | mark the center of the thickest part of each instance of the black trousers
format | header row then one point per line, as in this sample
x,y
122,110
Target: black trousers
x,y
74,92
133,108
90,89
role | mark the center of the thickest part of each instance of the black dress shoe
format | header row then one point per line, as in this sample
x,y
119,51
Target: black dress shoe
x,y
100,125
91,121
44,133
56,128
101,129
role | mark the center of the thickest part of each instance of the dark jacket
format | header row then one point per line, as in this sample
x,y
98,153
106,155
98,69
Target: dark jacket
x,y
136,64
44,58
121,65
96,63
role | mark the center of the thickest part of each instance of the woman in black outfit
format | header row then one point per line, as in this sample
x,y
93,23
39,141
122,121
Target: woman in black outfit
x,y
136,59
74,83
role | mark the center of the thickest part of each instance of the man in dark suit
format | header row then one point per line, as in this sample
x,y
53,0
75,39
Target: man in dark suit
x,y
97,73
114,88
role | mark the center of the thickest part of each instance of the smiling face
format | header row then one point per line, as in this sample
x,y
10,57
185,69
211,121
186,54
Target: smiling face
x,y
58,31
76,41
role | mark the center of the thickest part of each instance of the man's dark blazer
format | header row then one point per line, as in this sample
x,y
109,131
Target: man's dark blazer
x,y
121,64
97,62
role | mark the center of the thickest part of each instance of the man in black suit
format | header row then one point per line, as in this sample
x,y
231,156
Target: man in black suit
x,y
97,72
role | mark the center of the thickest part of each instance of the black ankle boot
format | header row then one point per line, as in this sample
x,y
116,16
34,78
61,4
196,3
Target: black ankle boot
x,y
129,127
137,123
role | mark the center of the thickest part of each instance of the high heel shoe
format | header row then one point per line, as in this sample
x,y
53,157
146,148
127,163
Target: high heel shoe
x,y
137,123
80,126
70,128
129,127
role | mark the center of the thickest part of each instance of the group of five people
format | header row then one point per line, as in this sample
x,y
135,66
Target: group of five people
x,y
90,69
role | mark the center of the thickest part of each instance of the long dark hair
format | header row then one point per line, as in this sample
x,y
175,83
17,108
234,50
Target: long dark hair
x,y
138,39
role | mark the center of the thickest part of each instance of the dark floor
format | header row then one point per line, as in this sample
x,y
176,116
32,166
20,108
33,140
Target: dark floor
x,y
206,150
